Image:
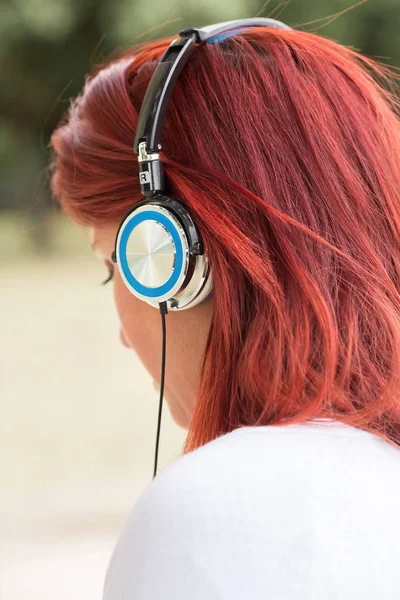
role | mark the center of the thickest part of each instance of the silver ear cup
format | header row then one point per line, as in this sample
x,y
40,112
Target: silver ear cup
x,y
155,262
151,253
197,288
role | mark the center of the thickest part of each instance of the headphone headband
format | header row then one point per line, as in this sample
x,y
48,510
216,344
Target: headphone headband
x,y
206,33
155,102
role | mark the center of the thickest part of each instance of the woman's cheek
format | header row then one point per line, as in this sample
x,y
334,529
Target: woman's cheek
x,y
128,309
119,298
140,324
124,340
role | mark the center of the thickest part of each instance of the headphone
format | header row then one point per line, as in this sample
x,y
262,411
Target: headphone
x,y
159,250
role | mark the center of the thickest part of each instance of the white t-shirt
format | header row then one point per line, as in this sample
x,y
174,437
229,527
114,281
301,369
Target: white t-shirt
x,y
295,512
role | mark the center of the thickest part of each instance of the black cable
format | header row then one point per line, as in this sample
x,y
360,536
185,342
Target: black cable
x,y
163,311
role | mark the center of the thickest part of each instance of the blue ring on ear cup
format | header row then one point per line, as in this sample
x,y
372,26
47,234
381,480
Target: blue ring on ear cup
x,y
136,285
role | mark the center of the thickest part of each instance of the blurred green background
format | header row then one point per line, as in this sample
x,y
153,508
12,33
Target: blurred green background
x,y
79,416
47,47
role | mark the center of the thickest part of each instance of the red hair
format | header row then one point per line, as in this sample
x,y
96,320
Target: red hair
x,y
285,147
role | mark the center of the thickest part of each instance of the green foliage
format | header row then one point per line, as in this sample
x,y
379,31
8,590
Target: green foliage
x,y
47,47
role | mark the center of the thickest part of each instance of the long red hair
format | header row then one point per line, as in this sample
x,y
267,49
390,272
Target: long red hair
x,y
285,147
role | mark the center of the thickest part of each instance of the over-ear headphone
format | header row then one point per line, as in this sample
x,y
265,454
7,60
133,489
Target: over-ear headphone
x,y
158,249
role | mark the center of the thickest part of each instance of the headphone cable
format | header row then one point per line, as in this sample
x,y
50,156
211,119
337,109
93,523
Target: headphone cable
x,y
163,311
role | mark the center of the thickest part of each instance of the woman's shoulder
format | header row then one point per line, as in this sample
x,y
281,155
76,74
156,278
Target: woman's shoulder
x,y
232,463
250,492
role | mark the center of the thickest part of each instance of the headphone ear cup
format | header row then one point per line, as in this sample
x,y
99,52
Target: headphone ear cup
x,y
179,210
160,254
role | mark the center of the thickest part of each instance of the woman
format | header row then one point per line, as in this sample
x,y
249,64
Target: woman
x,y
284,146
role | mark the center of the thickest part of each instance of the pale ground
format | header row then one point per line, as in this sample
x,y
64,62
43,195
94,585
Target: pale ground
x,y
77,433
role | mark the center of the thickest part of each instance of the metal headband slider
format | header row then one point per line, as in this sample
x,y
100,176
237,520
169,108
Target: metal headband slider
x,y
151,174
143,156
